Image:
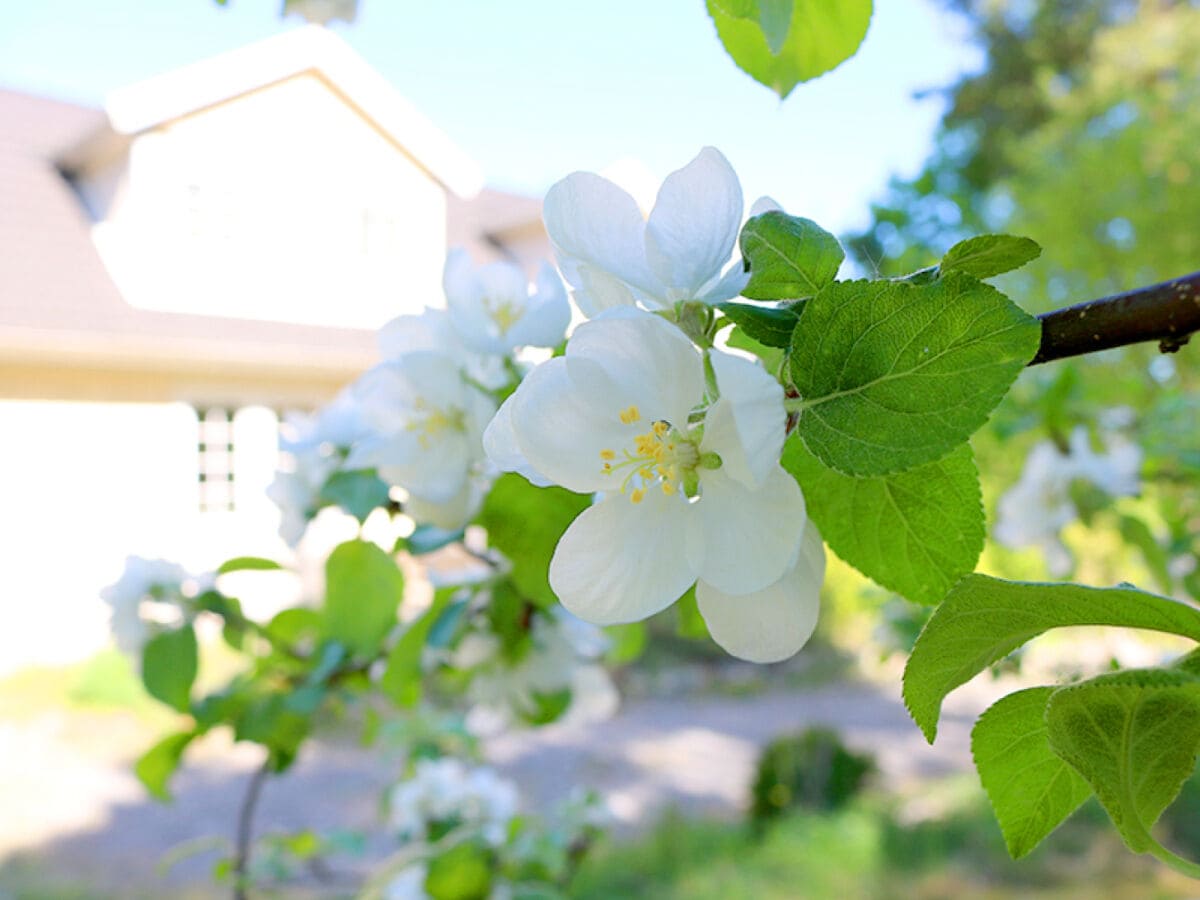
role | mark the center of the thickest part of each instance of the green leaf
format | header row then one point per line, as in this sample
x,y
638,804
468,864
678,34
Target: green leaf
x,y
248,564
770,326
401,680
156,766
170,660
547,707
427,538
359,493
688,621
270,720
984,619
895,375
789,257
363,587
291,626
990,254
1138,533
819,35
464,872
628,642
915,532
1134,736
524,523
1031,789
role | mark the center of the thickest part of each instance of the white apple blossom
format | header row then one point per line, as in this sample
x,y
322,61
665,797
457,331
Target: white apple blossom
x,y
445,793
142,583
494,312
428,420
612,256
692,494
562,656
433,330
1036,509
296,491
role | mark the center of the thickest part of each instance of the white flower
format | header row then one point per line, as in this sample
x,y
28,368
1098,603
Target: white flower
x,y
692,495
433,330
1116,471
338,424
493,310
444,791
428,422
1039,505
611,256
144,581
296,491
561,657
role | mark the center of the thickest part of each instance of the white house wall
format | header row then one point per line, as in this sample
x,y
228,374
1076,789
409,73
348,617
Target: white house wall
x,y
86,484
285,204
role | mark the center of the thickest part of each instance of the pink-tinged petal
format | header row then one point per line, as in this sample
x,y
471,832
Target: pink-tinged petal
x,y
650,362
591,220
500,445
746,539
694,224
621,561
772,624
545,321
745,427
560,431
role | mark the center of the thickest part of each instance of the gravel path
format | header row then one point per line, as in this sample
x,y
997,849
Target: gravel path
x,y
71,806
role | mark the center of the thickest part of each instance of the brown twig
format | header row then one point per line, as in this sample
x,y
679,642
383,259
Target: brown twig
x,y
245,828
1168,312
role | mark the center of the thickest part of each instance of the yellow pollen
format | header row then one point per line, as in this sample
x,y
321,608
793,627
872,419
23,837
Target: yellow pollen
x,y
607,454
668,488
637,495
630,415
661,428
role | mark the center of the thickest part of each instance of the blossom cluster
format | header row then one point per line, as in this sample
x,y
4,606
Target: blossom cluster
x,y
151,595
679,441
1036,509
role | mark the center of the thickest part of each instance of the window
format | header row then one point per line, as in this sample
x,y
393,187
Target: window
x,y
216,460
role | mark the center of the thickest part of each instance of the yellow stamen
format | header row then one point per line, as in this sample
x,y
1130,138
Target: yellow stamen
x,y
607,455
630,415
638,495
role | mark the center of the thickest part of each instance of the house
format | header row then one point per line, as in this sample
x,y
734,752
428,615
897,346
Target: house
x,y
213,248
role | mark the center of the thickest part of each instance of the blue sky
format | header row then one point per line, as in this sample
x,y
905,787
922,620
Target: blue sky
x,y
534,89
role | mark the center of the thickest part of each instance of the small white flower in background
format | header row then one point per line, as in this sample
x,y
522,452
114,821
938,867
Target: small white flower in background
x,y
1039,505
144,582
611,256
1116,471
447,794
296,492
427,421
562,656
432,330
691,495
494,311
334,426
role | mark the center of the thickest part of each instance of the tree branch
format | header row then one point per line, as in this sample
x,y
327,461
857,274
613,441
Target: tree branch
x,y
245,827
1168,313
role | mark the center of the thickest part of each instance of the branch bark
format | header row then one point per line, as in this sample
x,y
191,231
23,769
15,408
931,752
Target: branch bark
x,y
245,829
1168,312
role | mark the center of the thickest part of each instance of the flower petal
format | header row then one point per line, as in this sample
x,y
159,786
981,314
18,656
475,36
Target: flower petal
x,y
431,330
649,360
745,427
621,561
591,220
729,285
694,224
771,624
744,540
547,316
560,431
500,444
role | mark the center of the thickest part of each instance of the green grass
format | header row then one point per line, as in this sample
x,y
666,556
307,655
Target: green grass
x,y
864,851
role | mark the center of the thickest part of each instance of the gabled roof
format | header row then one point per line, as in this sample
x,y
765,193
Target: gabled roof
x,y
187,90
59,305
